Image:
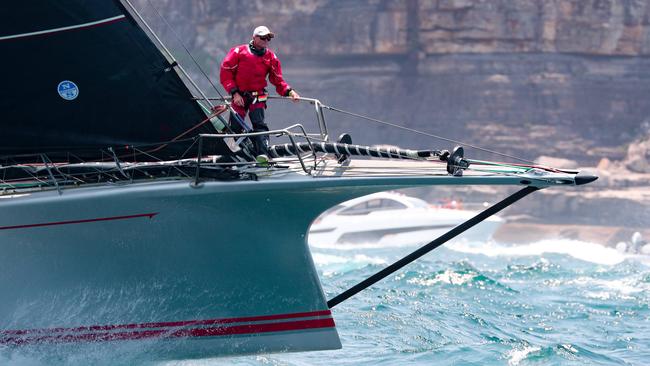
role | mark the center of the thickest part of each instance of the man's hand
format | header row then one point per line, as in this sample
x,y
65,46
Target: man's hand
x,y
219,109
237,99
294,95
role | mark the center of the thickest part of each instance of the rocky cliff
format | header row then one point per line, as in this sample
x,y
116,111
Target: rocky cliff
x,y
531,78
567,78
422,27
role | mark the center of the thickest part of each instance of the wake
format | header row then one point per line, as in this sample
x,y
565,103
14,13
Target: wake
x,y
585,251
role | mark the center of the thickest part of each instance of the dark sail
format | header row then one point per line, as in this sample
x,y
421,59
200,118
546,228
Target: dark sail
x,y
82,75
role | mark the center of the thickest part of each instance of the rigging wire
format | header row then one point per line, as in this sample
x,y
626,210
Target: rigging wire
x,y
425,133
225,100
169,54
233,113
186,49
227,103
334,109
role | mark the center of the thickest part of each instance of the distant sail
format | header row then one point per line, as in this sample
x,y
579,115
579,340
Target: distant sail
x,y
82,75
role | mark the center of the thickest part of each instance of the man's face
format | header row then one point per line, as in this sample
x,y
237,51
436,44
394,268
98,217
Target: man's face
x,y
261,41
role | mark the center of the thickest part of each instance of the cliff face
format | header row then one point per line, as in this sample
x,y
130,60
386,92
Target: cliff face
x,y
603,27
530,77
376,27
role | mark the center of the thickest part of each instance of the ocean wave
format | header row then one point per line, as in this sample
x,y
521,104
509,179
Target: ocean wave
x,y
516,355
588,252
369,245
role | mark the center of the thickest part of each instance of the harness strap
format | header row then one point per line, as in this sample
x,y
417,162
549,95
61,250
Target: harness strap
x,y
258,96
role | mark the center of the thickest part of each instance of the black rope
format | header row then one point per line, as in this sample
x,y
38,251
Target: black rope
x,y
350,149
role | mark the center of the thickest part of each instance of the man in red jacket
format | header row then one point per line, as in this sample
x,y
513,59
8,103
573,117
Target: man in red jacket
x,y
243,74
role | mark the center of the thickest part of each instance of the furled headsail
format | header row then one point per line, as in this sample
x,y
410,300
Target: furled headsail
x,y
81,75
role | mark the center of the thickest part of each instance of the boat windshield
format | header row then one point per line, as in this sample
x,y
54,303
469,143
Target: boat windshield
x,y
369,206
416,202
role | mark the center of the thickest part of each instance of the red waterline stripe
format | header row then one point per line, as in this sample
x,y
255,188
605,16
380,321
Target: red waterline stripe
x,y
166,324
64,29
149,215
182,333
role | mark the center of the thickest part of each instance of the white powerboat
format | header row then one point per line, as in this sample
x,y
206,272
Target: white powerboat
x,y
390,218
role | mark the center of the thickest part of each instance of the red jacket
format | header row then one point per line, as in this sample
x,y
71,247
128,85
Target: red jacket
x,y
243,70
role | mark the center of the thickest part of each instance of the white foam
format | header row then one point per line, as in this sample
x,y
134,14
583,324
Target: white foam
x,y
332,264
449,277
589,252
515,356
369,245
328,259
605,289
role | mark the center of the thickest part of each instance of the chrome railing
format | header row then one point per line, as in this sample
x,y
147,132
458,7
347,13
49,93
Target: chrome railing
x,y
277,133
320,117
318,109
117,170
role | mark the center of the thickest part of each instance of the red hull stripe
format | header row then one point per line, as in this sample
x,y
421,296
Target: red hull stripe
x,y
64,29
149,215
185,323
174,333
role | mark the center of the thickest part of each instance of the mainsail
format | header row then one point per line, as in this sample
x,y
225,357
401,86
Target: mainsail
x,y
80,76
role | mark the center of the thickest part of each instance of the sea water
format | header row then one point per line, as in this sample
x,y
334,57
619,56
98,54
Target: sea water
x,y
556,302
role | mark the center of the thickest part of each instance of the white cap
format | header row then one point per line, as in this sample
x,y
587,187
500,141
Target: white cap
x,y
262,31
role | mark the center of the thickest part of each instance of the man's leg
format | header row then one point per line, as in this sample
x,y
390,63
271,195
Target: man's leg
x,y
256,114
236,126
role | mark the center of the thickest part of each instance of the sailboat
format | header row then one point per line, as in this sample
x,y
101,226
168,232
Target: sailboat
x,y
129,215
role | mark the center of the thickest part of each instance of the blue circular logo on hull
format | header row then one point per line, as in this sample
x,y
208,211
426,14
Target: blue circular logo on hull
x,y
68,90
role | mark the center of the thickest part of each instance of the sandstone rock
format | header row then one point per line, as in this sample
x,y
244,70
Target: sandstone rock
x,y
488,72
604,164
443,26
638,157
498,78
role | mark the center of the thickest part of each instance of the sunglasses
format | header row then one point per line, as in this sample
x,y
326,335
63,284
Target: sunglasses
x,y
265,38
